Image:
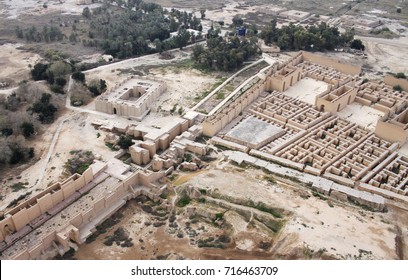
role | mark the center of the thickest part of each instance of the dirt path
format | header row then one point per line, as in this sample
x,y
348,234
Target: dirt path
x,y
385,54
226,82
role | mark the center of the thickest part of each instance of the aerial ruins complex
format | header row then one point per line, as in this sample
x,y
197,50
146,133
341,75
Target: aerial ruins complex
x,y
290,117
268,123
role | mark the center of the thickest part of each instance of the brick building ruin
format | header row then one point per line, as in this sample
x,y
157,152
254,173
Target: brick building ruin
x,y
307,135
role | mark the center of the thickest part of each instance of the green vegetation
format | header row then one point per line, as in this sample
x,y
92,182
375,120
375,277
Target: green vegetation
x,y
397,88
127,31
276,212
47,34
384,32
14,202
111,147
78,76
226,55
357,44
211,242
27,129
297,37
273,225
125,142
270,179
44,108
54,73
97,87
319,195
80,162
17,186
120,237
184,199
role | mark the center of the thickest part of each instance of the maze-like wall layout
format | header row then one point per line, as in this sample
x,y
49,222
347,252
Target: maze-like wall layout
x,y
317,141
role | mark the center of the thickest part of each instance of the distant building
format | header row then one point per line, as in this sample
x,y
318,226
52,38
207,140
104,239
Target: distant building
x,y
84,2
295,15
271,10
241,31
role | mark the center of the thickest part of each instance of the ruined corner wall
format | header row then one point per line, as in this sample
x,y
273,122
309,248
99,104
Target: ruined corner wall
x,y
79,227
337,104
282,83
336,64
24,213
213,124
135,109
391,132
393,81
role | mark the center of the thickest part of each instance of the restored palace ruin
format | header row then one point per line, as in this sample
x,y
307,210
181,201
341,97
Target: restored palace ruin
x,y
133,98
290,122
297,125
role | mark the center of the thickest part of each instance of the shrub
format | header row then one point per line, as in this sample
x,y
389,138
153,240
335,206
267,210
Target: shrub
x,y
397,88
27,128
125,142
78,76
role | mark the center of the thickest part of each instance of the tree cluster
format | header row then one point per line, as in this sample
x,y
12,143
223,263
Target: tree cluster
x,y
44,108
294,37
225,54
17,122
55,73
130,32
13,150
47,34
97,87
125,142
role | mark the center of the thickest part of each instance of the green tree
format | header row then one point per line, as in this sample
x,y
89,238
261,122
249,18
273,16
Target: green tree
x,y
125,142
158,45
78,76
357,44
237,21
202,12
44,109
400,75
39,71
27,129
397,88
182,38
86,12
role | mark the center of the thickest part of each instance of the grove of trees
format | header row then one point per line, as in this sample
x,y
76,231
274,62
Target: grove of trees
x,y
296,37
225,54
130,32
21,115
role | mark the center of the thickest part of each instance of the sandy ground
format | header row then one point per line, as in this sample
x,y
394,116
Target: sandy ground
x,y
15,63
227,12
386,54
151,242
313,225
115,73
182,86
73,132
306,90
340,229
364,116
16,8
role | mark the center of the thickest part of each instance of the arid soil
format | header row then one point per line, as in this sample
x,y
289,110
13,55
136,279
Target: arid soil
x,y
314,227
